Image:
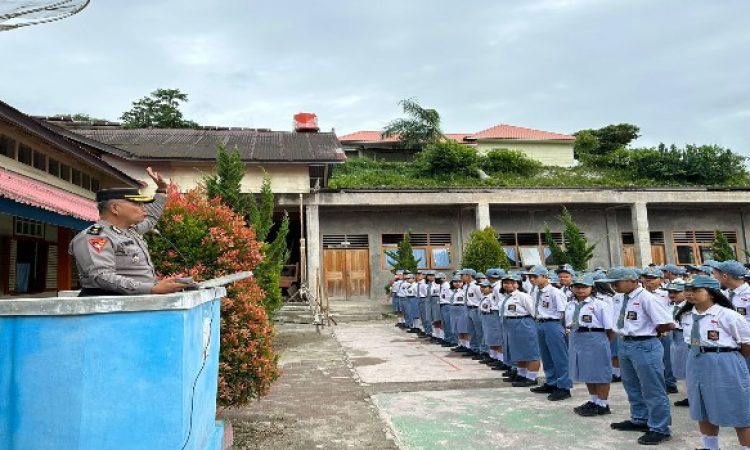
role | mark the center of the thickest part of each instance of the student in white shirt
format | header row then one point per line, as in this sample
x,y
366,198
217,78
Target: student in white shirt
x,y
731,275
718,379
522,345
679,351
652,278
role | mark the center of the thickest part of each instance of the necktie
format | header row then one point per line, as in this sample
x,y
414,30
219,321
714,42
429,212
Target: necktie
x,y
695,335
731,294
577,311
675,308
502,307
621,319
538,299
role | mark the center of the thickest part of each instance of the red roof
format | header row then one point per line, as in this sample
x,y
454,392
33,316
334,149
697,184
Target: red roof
x,y
28,191
503,131
497,132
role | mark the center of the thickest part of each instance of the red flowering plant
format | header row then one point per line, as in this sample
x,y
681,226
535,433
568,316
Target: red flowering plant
x,y
214,241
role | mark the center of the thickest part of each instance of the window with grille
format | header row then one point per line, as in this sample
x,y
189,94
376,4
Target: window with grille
x,y
346,241
694,247
27,227
528,249
656,237
431,250
7,146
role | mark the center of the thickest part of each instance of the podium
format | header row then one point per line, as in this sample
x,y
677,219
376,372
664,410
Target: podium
x,y
115,372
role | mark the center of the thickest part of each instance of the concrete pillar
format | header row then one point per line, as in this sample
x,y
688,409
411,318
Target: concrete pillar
x,y
312,235
483,215
744,237
641,233
614,240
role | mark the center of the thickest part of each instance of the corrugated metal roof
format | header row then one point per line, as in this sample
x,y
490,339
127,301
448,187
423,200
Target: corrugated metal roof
x,y
28,191
253,145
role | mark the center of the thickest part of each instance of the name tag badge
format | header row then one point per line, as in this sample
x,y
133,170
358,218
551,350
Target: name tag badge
x,y
471,294
632,315
586,319
511,307
742,311
545,304
712,335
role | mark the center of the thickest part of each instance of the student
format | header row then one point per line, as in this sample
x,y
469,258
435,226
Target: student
x,y
489,312
395,302
438,334
460,316
651,278
679,351
566,274
549,309
402,300
412,304
495,277
590,322
640,317
522,345
717,376
446,299
731,274
423,294
672,273
473,296
603,291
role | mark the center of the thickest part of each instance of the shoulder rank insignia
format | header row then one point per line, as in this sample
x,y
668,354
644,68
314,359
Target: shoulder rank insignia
x,y
117,230
95,230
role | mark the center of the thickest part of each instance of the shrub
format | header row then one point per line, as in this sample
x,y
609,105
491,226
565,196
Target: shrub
x,y
577,250
216,241
403,258
483,251
503,160
449,158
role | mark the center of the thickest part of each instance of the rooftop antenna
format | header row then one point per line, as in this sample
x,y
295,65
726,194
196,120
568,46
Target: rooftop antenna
x,y
23,13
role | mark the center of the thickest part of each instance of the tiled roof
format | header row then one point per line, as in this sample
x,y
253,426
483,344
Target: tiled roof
x,y
367,136
28,191
503,131
201,144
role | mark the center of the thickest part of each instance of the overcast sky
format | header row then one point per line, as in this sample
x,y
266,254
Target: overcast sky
x,y
680,69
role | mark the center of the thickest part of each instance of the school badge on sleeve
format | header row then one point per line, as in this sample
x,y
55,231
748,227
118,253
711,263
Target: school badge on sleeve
x,y
98,244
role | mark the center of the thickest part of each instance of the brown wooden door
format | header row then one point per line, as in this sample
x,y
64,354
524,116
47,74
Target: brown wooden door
x,y
628,256
346,272
658,254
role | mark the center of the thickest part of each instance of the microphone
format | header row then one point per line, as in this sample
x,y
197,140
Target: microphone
x,y
171,244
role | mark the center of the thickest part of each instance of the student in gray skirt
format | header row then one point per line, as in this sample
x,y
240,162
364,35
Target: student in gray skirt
x,y
489,313
460,316
680,348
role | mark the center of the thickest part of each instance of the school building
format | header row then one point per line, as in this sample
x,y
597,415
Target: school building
x,y
47,185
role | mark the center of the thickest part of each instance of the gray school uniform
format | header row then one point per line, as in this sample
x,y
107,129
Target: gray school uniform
x,y
590,356
520,328
395,303
459,313
435,312
718,383
488,309
680,349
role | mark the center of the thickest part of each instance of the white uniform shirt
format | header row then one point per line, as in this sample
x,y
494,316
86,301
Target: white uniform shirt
x,y
411,289
518,304
662,296
434,289
605,298
402,288
721,328
551,303
594,313
446,296
395,287
495,298
568,293
422,289
527,285
473,294
674,307
458,296
741,300
485,305
643,314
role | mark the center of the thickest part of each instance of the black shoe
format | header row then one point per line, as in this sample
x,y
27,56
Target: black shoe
x,y
602,410
446,344
502,366
672,390
629,425
514,378
486,360
586,406
616,379
524,383
596,410
559,394
470,353
459,349
543,389
509,372
398,325
477,357
412,330
685,402
653,438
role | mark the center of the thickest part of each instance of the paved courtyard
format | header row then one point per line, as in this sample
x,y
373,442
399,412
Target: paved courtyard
x,y
371,385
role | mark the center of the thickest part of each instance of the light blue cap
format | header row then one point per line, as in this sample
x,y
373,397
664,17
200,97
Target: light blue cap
x,y
676,286
471,272
495,273
673,268
512,276
703,281
410,275
456,278
620,274
538,270
485,283
566,268
732,268
711,263
440,276
652,272
479,275
585,280
399,272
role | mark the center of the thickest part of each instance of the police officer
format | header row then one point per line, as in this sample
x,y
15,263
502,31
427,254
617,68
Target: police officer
x,y
111,256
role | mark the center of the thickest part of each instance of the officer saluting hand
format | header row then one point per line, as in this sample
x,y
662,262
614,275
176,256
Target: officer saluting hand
x,y
111,256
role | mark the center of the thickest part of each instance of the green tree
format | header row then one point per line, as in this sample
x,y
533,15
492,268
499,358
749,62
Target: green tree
x,y
483,251
449,158
592,146
161,109
577,251
721,249
228,179
403,258
503,160
420,128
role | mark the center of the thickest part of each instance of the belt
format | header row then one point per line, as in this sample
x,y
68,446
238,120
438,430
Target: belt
x,y
589,330
423,298
95,292
547,320
487,313
718,349
472,307
515,317
638,338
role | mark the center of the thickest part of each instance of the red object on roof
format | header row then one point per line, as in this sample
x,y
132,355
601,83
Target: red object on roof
x,y
306,122
503,131
28,191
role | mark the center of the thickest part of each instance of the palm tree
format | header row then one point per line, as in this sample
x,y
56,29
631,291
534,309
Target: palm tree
x,y
421,127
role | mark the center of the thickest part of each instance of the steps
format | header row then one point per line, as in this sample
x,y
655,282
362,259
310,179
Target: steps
x,y
359,310
294,313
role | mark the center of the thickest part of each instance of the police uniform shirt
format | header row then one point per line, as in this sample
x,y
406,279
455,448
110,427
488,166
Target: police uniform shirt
x,y
473,294
741,300
116,259
485,305
422,289
402,288
644,312
411,289
518,304
551,304
446,296
595,313
457,296
721,328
